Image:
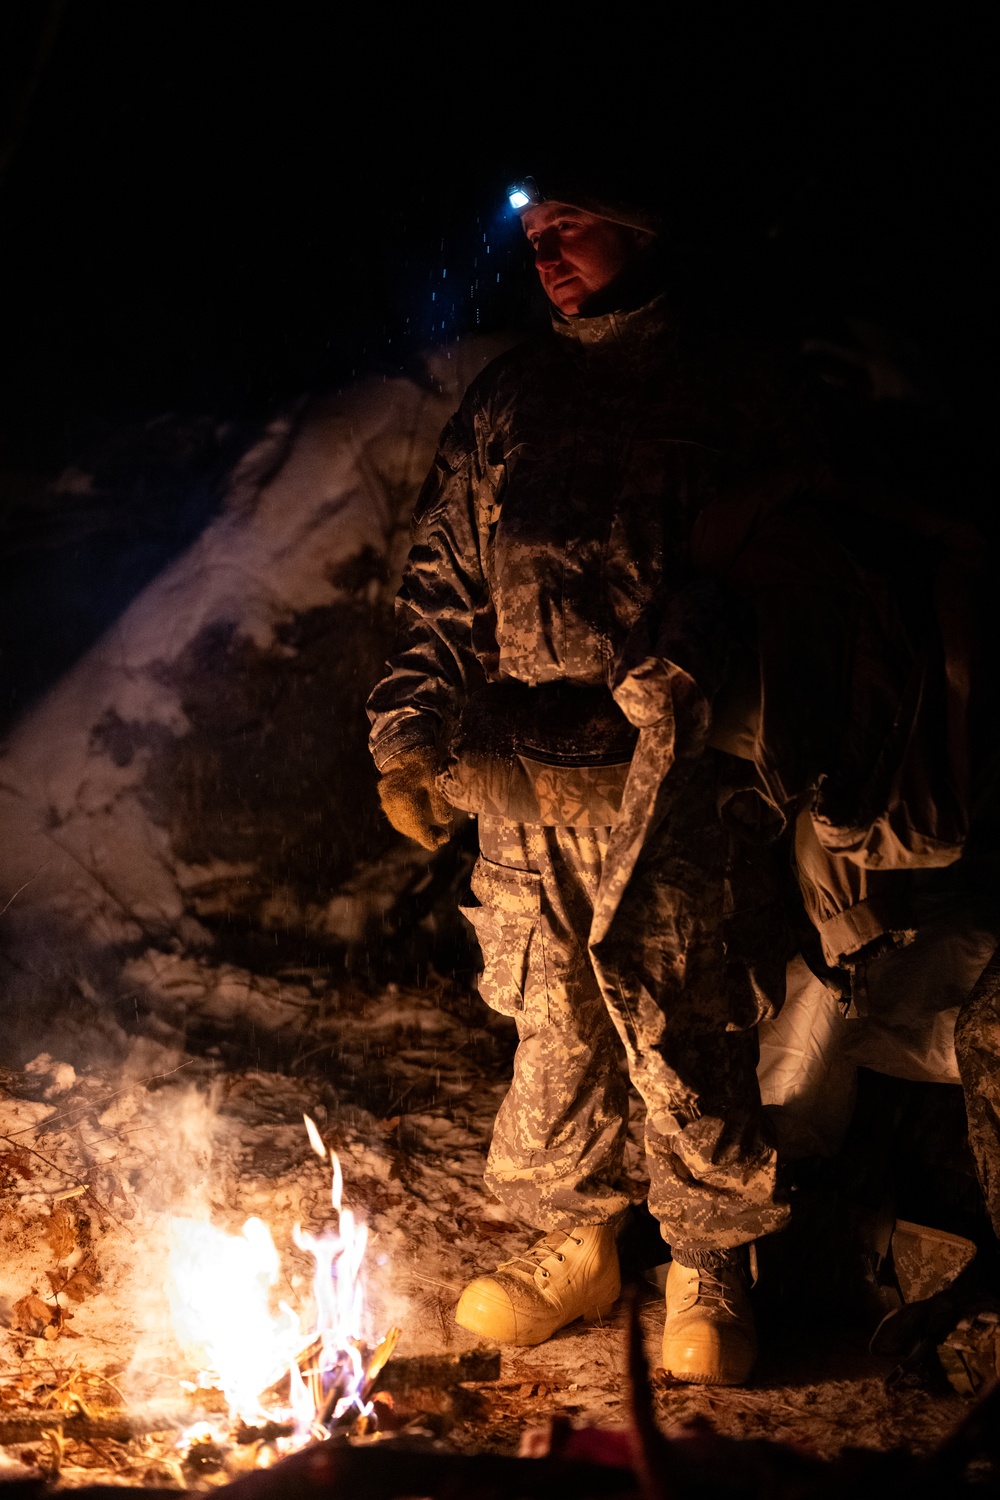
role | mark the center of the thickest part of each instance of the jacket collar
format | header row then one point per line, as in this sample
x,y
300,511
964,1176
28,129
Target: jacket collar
x,y
615,329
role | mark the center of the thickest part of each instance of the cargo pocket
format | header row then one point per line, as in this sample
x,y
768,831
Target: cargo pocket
x,y
506,913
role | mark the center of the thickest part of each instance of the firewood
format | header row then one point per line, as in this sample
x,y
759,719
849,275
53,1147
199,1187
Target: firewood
x,y
376,1365
399,1374
396,1376
38,1489
120,1427
407,1372
415,1371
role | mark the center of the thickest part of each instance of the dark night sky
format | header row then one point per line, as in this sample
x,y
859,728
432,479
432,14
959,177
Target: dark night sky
x,y
209,208
212,206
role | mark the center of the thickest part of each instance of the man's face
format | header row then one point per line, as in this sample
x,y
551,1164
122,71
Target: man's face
x,y
578,254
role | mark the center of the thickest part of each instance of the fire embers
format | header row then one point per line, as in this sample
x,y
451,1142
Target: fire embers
x,y
287,1376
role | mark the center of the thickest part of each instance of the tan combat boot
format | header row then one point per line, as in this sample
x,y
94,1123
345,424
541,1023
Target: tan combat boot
x,y
561,1278
709,1336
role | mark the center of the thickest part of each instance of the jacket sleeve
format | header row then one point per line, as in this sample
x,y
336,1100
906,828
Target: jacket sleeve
x,y
432,667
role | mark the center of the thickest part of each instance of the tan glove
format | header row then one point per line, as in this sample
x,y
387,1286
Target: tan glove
x,y
410,798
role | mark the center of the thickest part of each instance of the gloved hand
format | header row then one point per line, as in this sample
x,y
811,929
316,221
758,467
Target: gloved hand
x,y
411,800
672,663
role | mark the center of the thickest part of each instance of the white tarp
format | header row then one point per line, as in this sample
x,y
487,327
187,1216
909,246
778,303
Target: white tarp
x,y
809,1054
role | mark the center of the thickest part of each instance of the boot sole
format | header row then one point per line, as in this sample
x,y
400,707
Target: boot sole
x,y
594,1314
706,1379
590,1315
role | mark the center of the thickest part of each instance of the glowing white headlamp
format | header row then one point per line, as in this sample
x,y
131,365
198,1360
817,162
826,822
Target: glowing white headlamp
x,y
523,194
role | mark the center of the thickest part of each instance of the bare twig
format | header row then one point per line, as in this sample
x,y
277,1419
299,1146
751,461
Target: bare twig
x,y
11,899
85,1109
77,1179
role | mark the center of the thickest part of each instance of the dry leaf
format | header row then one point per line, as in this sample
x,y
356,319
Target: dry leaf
x,y
60,1233
76,1284
39,1319
31,1315
80,1286
16,1163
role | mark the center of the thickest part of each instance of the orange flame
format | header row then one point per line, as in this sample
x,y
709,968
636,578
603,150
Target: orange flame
x,y
221,1302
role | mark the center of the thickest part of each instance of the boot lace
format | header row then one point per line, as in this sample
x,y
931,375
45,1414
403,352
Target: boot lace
x,y
531,1259
717,1289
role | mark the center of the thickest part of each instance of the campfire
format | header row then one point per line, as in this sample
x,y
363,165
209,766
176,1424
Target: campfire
x,y
288,1376
200,1292
237,1339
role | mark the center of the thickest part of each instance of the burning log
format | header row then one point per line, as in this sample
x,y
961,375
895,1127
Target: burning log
x,y
327,1415
404,1373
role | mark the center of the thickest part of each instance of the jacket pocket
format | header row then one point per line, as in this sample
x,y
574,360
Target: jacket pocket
x,y
507,919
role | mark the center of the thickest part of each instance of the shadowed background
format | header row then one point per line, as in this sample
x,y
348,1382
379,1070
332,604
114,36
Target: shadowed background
x,y
208,210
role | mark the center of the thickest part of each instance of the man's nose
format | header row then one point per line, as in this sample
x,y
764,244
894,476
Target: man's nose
x,y
547,248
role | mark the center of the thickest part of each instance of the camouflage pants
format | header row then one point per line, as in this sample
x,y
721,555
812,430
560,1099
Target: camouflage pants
x,y
977,1048
655,1000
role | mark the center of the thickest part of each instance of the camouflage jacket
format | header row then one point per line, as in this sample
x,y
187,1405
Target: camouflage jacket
x,y
559,509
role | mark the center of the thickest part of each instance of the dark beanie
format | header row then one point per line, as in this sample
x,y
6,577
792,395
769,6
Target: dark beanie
x,y
610,195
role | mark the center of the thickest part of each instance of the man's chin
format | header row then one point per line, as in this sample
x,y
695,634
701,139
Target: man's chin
x,y
567,296
568,303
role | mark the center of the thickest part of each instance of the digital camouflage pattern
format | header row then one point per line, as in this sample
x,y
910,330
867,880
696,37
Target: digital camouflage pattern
x,y
652,1003
524,790
559,510
557,753
977,1048
551,546
926,1260
559,1138
970,1354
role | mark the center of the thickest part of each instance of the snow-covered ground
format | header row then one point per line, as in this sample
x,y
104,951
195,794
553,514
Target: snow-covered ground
x,y
404,1085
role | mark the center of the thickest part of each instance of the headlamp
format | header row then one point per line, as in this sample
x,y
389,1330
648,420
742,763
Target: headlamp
x,y
523,194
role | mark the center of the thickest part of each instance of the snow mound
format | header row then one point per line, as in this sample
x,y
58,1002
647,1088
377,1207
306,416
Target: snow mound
x,y
205,762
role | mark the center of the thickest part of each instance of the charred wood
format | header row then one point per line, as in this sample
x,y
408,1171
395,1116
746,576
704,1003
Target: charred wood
x,y
416,1371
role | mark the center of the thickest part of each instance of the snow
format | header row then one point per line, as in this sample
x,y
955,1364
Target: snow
x,y
94,856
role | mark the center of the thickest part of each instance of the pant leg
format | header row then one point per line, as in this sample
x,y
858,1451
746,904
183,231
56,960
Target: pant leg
x,y
977,1048
662,969
559,1138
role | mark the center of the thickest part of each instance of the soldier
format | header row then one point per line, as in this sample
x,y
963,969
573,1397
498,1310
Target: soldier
x,y
555,662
